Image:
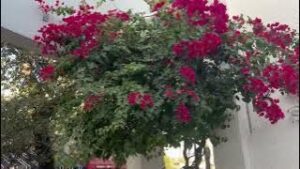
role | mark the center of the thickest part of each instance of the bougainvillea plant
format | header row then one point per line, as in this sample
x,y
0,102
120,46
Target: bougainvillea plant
x,y
138,83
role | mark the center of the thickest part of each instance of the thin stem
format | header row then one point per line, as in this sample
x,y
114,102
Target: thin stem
x,y
198,154
207,157
186,159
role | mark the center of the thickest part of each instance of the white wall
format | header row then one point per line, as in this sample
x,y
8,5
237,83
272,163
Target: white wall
x,y
234,154
285,11
275,146
268,146
263,146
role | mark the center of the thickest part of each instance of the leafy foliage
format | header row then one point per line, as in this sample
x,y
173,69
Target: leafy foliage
x,y
25,110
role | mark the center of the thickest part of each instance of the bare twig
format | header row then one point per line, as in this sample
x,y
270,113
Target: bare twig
x,y
207,157
198,154
186,159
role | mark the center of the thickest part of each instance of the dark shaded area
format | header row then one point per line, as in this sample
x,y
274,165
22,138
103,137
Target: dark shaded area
x,y
25,134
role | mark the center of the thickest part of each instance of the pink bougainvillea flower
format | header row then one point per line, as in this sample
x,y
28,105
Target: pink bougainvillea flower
x,y
268,108
47,72
256,85
239,20
169,93
183,114
248,55
188,74
84,27
294,58
158,6
290,78
211,41
199,48
272,74
90,102
146,101
123,16
133,98
201,13
46,8
245,71
258,26
277,34
143,100
85,9
178,48
219,13
277,76
282,76
190,93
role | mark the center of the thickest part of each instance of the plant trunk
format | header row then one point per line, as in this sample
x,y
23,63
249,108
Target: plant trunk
x,y
186,159
198,154
207,157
